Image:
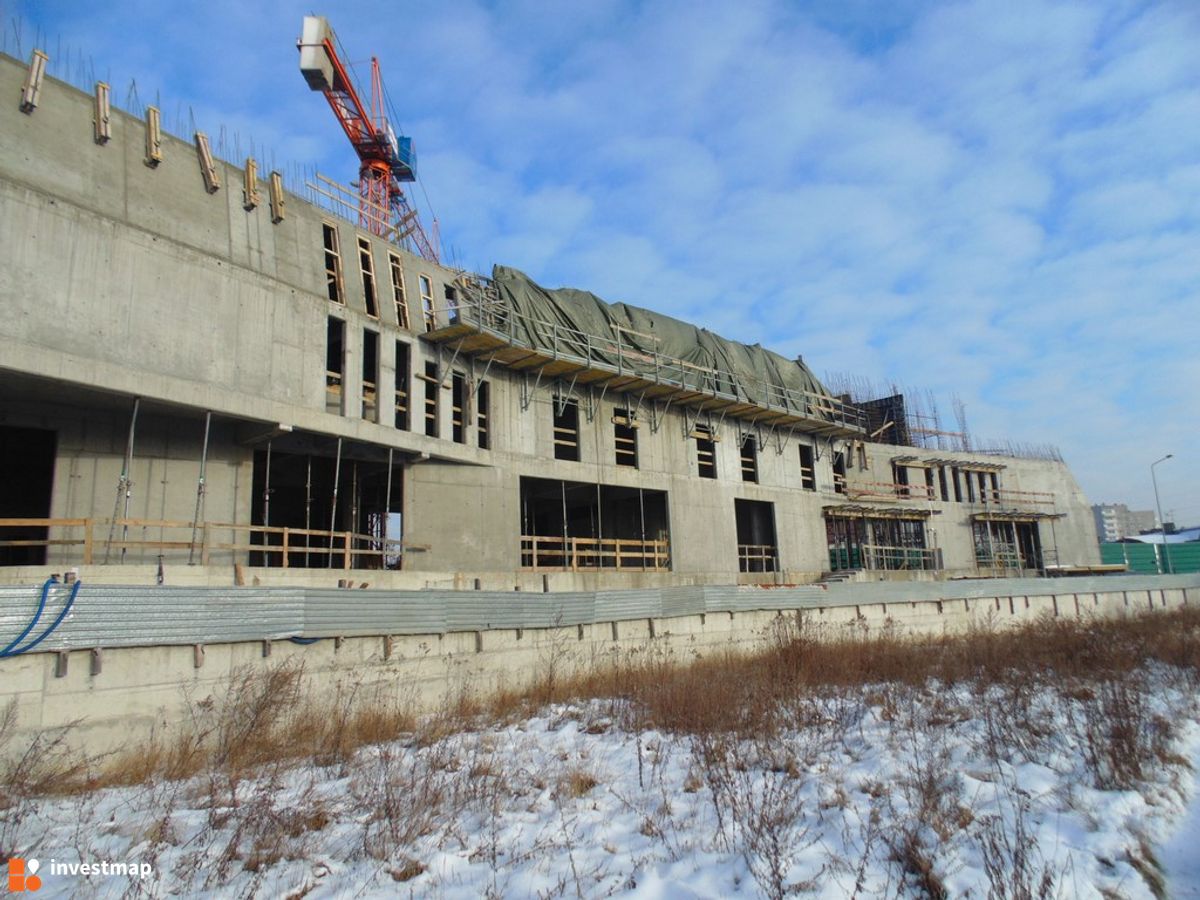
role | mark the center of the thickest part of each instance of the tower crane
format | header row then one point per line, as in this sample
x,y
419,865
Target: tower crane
x,y
386,159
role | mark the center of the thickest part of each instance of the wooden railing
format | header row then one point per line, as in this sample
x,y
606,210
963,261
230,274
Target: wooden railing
x,y
1005,497
901,558
758,558
888,490
885,558
998,556
103,540
575,553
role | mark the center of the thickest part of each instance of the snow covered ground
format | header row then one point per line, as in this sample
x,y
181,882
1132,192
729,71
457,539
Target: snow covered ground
x,y
882,791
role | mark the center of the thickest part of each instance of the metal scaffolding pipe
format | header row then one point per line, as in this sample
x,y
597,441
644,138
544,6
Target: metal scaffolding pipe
x,y
200,489
123,486
337,472
267,490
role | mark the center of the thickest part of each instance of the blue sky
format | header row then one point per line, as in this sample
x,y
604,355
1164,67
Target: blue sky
x,y
998,199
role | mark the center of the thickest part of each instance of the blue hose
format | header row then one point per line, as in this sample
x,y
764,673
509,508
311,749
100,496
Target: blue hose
x,y
33,623
8,651
303,641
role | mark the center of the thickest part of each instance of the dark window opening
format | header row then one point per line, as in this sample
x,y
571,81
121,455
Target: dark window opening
x,y
370,375
839,472
458,407
483,410
572,526
749,457
706,451
900,480
402,376
427,310
27,455
1007,545
808,468
398,293
942,483
888,544
625,438
333,263
432,386
930,492
335,363
954,474
566,428
307,523
366,265
757,550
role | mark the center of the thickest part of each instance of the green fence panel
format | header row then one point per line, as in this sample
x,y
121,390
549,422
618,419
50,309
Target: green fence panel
x,y
1145,558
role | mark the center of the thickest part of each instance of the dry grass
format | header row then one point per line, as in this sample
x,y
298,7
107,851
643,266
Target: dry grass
x,y
265,715
576,783
748,694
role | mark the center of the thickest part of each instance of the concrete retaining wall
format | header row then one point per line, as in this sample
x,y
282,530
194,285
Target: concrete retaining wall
x,y
116,697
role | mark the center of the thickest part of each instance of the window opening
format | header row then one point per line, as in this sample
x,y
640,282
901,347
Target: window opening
x,y
333,263
879,544
483,403
566,428
458,407
370,375
335,362
839,472
706,451
575,526
432,386
398,294
625,438
749,458
366,264
757,550
808,468
1007,545
427,309
402,375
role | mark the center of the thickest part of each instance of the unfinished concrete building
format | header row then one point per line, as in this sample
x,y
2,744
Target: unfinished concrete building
x,y
205,377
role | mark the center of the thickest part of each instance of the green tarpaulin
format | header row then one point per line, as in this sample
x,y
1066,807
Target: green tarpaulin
x,y
580,323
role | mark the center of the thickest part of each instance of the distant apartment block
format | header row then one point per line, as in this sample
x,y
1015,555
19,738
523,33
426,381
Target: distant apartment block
x,y
1116,521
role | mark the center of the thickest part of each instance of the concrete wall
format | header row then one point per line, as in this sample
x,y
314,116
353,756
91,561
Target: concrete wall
x,y
116,698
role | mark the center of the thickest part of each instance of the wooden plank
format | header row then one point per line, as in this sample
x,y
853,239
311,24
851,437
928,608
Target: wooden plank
x,y
42,523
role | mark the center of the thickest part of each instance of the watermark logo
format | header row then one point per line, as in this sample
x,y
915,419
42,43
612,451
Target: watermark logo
x,y
22,875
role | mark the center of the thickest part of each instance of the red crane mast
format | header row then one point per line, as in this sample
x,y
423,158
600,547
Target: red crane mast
x,y
386,159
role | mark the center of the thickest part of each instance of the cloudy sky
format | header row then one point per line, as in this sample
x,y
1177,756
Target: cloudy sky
x,y
996,199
